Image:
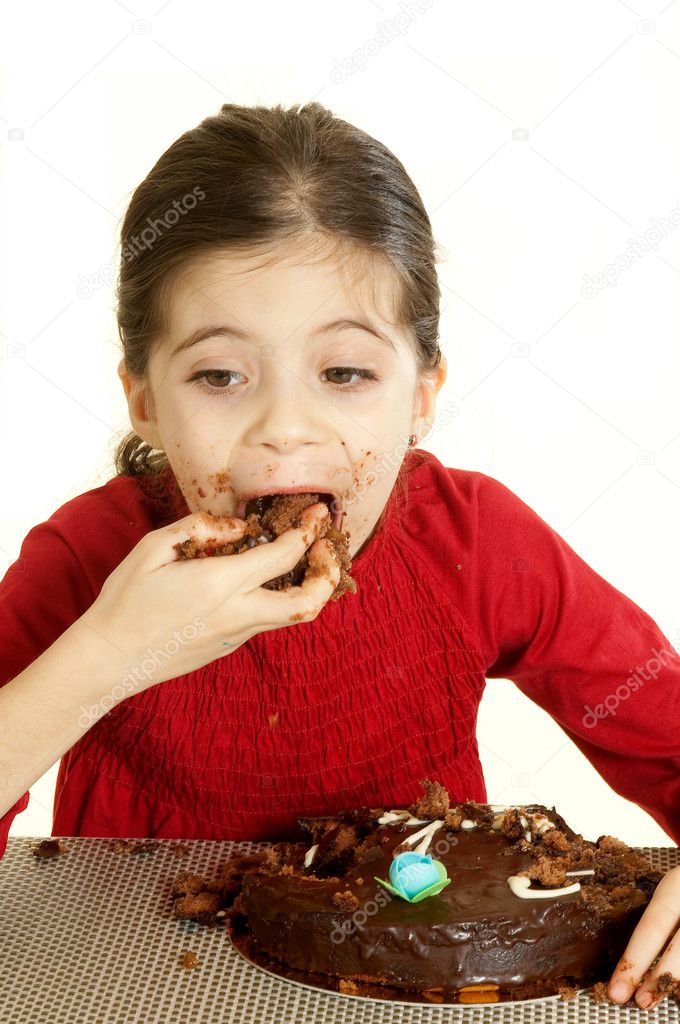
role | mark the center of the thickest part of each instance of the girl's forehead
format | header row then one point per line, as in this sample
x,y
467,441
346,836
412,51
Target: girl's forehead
x,y
302,283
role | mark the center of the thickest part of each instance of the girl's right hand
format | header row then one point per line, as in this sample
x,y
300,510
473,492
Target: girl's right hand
x,y
192,611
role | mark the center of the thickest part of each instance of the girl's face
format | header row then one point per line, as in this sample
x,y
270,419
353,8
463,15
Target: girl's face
x,y
281,375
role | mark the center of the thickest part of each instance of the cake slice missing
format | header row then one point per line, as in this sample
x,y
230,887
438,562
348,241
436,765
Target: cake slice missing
x,y
266,519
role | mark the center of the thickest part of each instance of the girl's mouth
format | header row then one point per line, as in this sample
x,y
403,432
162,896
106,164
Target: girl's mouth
x,y
259,502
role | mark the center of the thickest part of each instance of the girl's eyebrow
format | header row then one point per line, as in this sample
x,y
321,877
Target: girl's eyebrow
x,y
230,331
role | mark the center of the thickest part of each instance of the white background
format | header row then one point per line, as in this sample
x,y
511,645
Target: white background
x,y
542,136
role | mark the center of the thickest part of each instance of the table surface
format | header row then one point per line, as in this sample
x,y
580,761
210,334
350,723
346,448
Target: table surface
x,y
89,936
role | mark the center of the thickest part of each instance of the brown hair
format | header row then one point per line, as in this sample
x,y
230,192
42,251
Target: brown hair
x,y
268,175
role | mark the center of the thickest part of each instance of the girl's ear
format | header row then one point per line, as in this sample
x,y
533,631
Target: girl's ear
x,y
141,406
426,398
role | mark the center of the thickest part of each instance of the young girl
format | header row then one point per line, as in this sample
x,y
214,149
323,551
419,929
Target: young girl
x,y
278,308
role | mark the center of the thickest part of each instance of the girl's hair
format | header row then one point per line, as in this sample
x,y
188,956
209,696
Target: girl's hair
x,y
253,178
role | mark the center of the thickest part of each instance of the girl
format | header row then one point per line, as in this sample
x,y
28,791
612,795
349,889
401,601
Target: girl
x,y
278,308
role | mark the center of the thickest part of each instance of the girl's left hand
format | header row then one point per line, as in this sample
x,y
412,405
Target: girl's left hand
x,y
659,920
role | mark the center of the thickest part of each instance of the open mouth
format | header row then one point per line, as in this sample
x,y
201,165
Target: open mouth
x,y
258,504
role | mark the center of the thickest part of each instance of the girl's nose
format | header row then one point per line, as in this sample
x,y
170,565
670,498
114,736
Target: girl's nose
x,y
288,421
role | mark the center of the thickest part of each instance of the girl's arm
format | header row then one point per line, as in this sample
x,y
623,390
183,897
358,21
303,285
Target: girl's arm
x,y
575,645
42,594
41,711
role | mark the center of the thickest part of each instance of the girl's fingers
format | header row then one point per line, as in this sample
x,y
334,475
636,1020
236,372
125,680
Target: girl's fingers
x,y
267,561
658,922
303,603
199,526
647,994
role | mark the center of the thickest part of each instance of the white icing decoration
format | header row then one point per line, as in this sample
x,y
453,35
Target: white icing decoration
x,y
539,821
467,823
400,815
425,834
309,856
521,886
587,871
544,824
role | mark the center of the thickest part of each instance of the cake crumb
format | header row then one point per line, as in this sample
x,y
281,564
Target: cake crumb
x,y
566,991
347,986
547,871
611,845
555,840
49,848
132,846
666,983
202,907
189,959
434,804
188,884
600,992
454,818
346,901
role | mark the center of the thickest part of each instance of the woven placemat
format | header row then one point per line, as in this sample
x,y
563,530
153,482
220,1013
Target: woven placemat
x,y
89,937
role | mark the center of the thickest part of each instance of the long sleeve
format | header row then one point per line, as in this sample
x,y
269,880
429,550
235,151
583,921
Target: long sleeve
x,y
581,650
42,593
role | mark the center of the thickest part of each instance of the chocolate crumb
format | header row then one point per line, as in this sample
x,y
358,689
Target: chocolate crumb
x,y
189,959
202,907
49,848
133,846
434,804
666,983
188,884
345,901
454,818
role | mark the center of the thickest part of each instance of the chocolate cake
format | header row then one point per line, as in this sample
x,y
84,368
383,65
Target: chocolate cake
x,y
266,519
530,908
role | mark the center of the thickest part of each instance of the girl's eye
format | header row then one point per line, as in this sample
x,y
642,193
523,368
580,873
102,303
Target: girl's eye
x,y
219,374
340,385
348,371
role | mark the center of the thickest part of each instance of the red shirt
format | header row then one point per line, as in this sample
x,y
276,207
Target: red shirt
x,y
461,581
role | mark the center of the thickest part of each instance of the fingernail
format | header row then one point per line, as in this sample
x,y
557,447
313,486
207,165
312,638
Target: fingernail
x,y
619,990
644,999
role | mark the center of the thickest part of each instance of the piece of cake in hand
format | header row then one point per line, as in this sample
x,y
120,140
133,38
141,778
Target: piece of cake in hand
x,y
266,519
